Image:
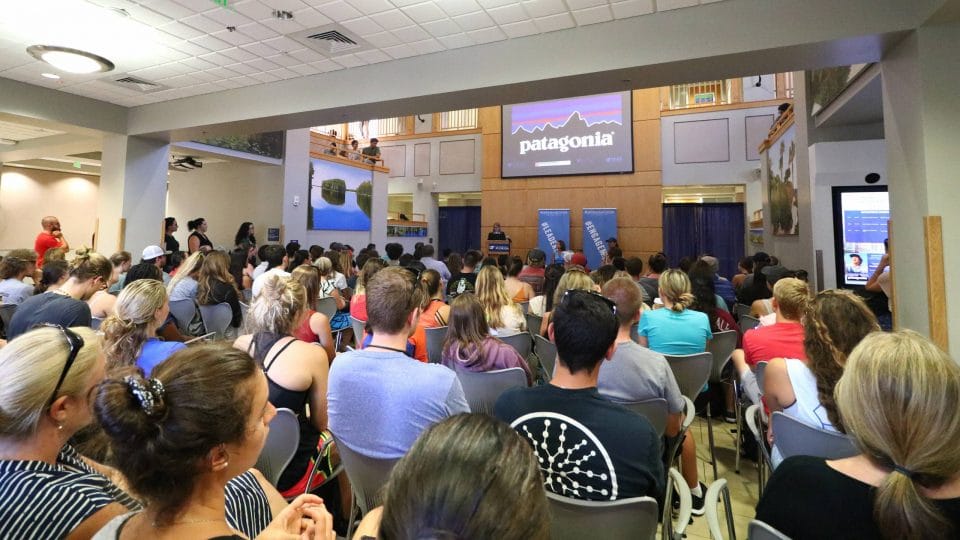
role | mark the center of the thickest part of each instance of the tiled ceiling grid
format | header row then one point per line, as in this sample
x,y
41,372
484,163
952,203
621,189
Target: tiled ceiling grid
x,y
192,52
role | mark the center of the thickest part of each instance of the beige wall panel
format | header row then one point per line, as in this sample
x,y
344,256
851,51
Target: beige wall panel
x,y
642,178
646,104
646,145
489,119
491,155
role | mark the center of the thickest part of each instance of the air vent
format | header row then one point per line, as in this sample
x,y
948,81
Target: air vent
x,y
131,82
331,40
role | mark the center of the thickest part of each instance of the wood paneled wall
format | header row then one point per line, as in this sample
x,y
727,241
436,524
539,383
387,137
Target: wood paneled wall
x,y
637,197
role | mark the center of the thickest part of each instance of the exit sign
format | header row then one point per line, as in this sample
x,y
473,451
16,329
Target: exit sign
x,y
222,3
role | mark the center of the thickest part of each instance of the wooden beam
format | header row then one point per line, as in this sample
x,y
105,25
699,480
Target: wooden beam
x,y
936,284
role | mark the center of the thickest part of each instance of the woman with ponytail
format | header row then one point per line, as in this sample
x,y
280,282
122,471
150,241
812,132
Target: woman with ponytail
x,y
130,335
898,399
675,329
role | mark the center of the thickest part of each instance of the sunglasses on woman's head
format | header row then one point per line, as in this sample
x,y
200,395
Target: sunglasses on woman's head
x,y
76,343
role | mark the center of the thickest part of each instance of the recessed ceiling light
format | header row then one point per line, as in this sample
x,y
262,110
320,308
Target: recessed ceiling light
x,y
70,60
50,75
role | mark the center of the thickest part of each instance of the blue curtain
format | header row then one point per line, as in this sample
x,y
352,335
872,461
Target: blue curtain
x,y
459,228
704,229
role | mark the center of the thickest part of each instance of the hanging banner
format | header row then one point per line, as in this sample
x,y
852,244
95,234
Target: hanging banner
x,y
598,225
554,224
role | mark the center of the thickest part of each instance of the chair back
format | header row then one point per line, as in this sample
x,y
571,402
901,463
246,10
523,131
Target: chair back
x,y
575,519
357,326
758,530
367,475
327,306
758,374
741,310
216,318
533,323
524,306
635,333
95,323
483,388
547,353
435,343
654,410
535,281
183,311
748,323
691,371
721,347
520,342
281,445
795,437
6,313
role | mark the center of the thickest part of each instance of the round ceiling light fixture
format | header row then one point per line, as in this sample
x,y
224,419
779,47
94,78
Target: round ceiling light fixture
x,y
70,60
50,75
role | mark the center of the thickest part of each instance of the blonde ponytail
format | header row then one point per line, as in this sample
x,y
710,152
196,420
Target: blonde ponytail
x,y
675,287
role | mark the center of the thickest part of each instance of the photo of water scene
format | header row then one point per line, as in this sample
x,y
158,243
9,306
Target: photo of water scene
x,y
341,197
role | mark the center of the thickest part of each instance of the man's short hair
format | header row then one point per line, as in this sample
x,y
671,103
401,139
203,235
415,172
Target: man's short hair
x,y
274,255
584,327
392,294
427,250
315,252
657,263
394,251
634,266
535,257
792,297
472,258
374,140
712,262
627,295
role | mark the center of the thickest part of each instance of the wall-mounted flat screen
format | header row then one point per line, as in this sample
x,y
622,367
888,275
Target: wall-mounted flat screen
x,y
860,216
341,197
582,135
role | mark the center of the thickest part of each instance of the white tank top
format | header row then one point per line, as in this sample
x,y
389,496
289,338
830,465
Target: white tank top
x,y
807,406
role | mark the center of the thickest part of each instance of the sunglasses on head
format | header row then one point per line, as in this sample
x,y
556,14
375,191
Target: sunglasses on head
x,y
569,293
76,343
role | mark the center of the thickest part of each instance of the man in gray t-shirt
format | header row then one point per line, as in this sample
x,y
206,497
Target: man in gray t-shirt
x,y
379,400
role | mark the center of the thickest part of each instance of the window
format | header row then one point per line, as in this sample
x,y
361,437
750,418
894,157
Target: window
x,y
385,127
462,119
701,94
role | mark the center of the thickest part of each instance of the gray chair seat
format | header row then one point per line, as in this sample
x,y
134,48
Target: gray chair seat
x,y
794,437
280,446
367,476
216,318
483,388
183,311
435,343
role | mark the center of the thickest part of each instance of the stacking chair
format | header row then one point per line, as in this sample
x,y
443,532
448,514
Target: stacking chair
x,y
524,307
533,323
482,388
654,410
748,323
574,519
754,418
721,347
281,445
357,326
711,501
758,530
6,313
95,323
521,342
435,343
547,353
741,310
758,371
676,530
327,306
794,437
183,311
367,477
216,318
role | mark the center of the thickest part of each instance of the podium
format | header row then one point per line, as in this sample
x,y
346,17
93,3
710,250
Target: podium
x,y
498,247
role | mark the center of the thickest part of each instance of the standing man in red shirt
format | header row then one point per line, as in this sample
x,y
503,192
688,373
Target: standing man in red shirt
x,y
50,237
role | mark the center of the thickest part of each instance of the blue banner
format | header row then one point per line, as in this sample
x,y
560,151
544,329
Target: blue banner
x,y
553,225
598,225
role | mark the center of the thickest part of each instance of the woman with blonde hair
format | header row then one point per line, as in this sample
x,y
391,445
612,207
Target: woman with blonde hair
x,y
183,286
469,345
503,316
130,334
315,327
898,399
675,329
215,285
296,373
574,278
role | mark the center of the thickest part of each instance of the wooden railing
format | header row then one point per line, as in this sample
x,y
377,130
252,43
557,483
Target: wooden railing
x,y
717,93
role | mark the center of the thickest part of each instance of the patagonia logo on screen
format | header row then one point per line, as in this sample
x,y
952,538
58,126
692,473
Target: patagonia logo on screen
x,y
566,143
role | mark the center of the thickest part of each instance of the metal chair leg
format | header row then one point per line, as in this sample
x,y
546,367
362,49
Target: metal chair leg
x,y
713,449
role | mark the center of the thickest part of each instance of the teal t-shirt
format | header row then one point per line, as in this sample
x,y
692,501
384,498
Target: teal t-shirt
x,y
669,332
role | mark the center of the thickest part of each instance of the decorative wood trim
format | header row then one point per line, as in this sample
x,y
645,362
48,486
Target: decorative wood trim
x,y
408,124
936,283
726,107
345,161
452,133
784,123
123,234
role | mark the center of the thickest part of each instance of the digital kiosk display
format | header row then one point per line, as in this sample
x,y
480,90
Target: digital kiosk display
x,y
860,216
582,135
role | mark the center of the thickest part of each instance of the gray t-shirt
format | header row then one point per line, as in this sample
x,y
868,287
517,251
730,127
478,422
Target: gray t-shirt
x,y
185,289
14,291
378,403
636,373
49,307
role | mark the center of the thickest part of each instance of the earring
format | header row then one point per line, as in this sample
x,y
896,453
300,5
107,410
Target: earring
x,y
60,427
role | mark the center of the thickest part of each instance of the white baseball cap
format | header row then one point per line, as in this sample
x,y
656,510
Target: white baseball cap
x,y
152,252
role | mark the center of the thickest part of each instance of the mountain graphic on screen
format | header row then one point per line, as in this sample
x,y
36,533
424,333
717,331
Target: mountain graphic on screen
x,y
575,123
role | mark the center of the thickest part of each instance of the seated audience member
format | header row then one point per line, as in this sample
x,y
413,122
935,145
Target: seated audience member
x,y
634,267
173,262
121,261
675,329
315,252
426,492
434,312
52,276
296,373
130,334
657,263
301,256
181,436
426,257
744,269
706,300
358,303
156,256
465,281
898,398
329,289
454,262
543,303
503,316
15,266
578,259
215,285
394,251
613,441
763,308
603,274
469,345
276,258
381,382
67,306
518,291
834,324
573,278
533,271
183,286
242,260
721,285
315,327
754,286
168,330
262,266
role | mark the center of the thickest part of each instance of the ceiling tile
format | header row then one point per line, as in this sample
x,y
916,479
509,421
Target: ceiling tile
x,y
190,48
350,60
403,3
544,8
211,43
182,31
262,65
383,39
217,59
665,5
456,41
239,54
326,65
369,7
147,16
443,27
203,76
363,26
242,68
632,8
283,26
593,15
177,82
555,22
258,49
340,11
228,17
520,29
229,83
283,44
487,4
311,18
391,19
458,7
427,46
306,56
234,38
372,57
508,14
196,64
487,35
305,69
424,12
284,73
197,6
166,54
170,9
584,4
410,34
474,21
246,80
202,23
400,51
253,9
258,31
286,5
221,73
284,60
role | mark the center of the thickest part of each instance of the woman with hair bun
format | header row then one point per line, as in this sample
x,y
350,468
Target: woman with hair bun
x,y
182,435
898,399
296,374
198,241
675,329
130,334
52,276
469,476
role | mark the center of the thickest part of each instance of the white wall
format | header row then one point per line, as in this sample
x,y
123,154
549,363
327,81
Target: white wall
x,y
838,164
27,195
226,194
